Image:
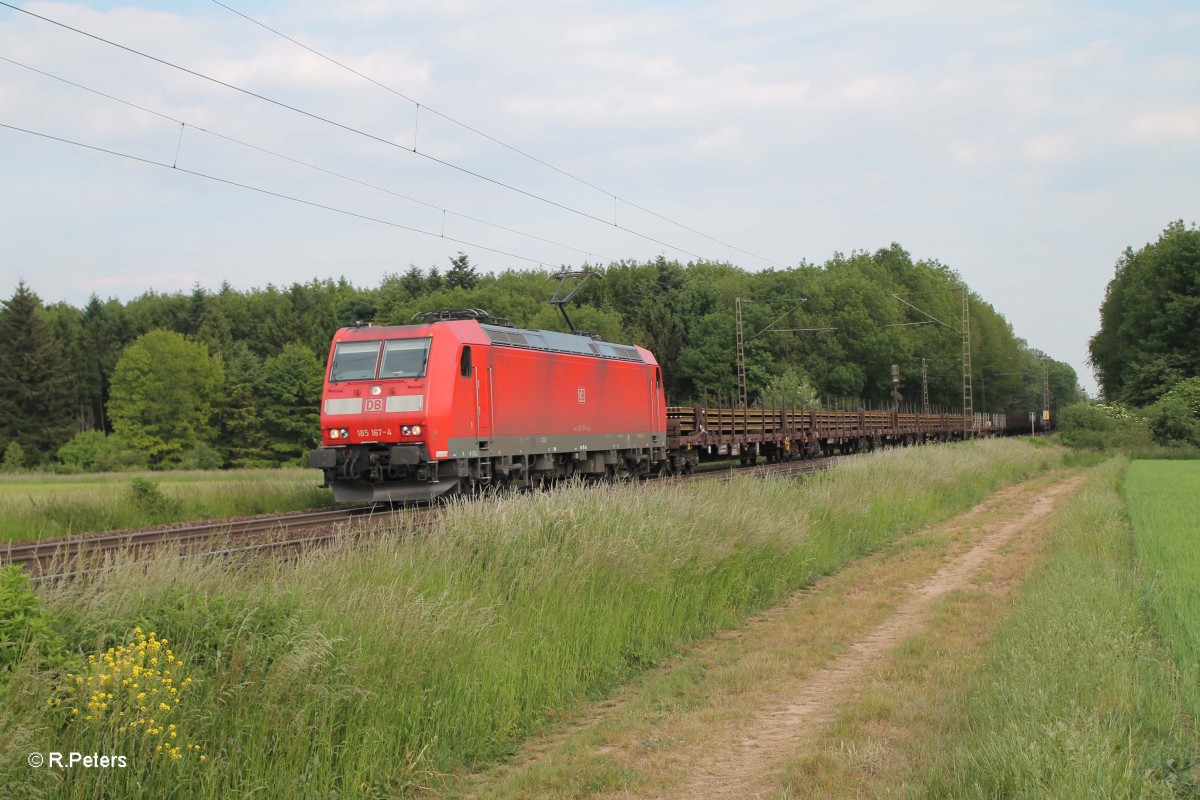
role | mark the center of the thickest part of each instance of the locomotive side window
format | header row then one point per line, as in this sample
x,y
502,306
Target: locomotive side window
x,y
464,363
404,358
354,361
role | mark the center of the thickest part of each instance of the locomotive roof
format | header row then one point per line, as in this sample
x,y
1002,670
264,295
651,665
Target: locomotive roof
x,y
556,342
506,336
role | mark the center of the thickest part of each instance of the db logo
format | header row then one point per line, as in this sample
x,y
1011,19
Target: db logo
x,y
374,404
582,395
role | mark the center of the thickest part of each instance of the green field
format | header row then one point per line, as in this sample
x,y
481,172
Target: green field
x,y
370,671
1076,697
1164,508
34,505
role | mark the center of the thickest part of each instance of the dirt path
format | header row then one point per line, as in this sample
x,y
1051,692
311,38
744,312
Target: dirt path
x,y
727,717
734,772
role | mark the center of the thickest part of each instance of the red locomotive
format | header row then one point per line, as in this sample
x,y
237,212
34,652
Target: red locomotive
x,y
414,412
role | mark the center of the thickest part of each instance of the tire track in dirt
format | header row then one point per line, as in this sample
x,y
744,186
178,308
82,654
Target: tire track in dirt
x,y
738,771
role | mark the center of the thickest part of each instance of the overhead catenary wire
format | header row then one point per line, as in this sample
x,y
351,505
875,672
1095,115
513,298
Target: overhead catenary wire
x,y
182,124
348,128
280,195
418,106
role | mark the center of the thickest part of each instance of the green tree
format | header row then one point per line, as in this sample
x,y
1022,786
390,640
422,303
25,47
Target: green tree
x,y
707,365
1172,422
13,459
37,400
413,281
1175,418
791,389
461,274
163,390
1147,339
434,282
93,450
1189,392
241,435
1097,426
291,387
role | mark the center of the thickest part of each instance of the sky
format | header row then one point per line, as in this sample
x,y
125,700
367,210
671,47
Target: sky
x,y
1023,144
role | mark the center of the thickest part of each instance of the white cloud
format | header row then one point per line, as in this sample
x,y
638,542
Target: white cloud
x,y
1166,126
872,92
729,143
952,87
284,65
1048,148
970,154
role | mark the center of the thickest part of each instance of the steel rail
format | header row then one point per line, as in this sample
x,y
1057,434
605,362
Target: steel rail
x,y
33,555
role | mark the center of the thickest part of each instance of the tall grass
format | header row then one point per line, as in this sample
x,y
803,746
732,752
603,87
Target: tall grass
x,y
1077,698
367,672
1164,508
39,506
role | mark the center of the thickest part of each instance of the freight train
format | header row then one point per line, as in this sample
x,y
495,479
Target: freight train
x,y
459,401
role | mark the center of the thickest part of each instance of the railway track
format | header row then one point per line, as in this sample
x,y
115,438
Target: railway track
x,y
781,470
74,556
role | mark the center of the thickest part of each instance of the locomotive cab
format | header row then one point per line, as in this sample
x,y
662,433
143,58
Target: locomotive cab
x,y
385,412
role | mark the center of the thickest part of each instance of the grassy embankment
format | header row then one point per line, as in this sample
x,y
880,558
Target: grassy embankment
x,y
35,506
366,672
1073,694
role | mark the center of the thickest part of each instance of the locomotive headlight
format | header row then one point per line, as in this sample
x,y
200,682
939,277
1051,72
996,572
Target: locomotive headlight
x,y
376,391
416,429
345,433
333,434
406,430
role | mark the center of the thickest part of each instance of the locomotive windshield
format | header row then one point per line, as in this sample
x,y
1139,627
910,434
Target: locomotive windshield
x,y
354,361
404,358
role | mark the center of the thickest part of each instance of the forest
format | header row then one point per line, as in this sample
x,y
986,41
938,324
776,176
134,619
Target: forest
x,y
1146,353
228,378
